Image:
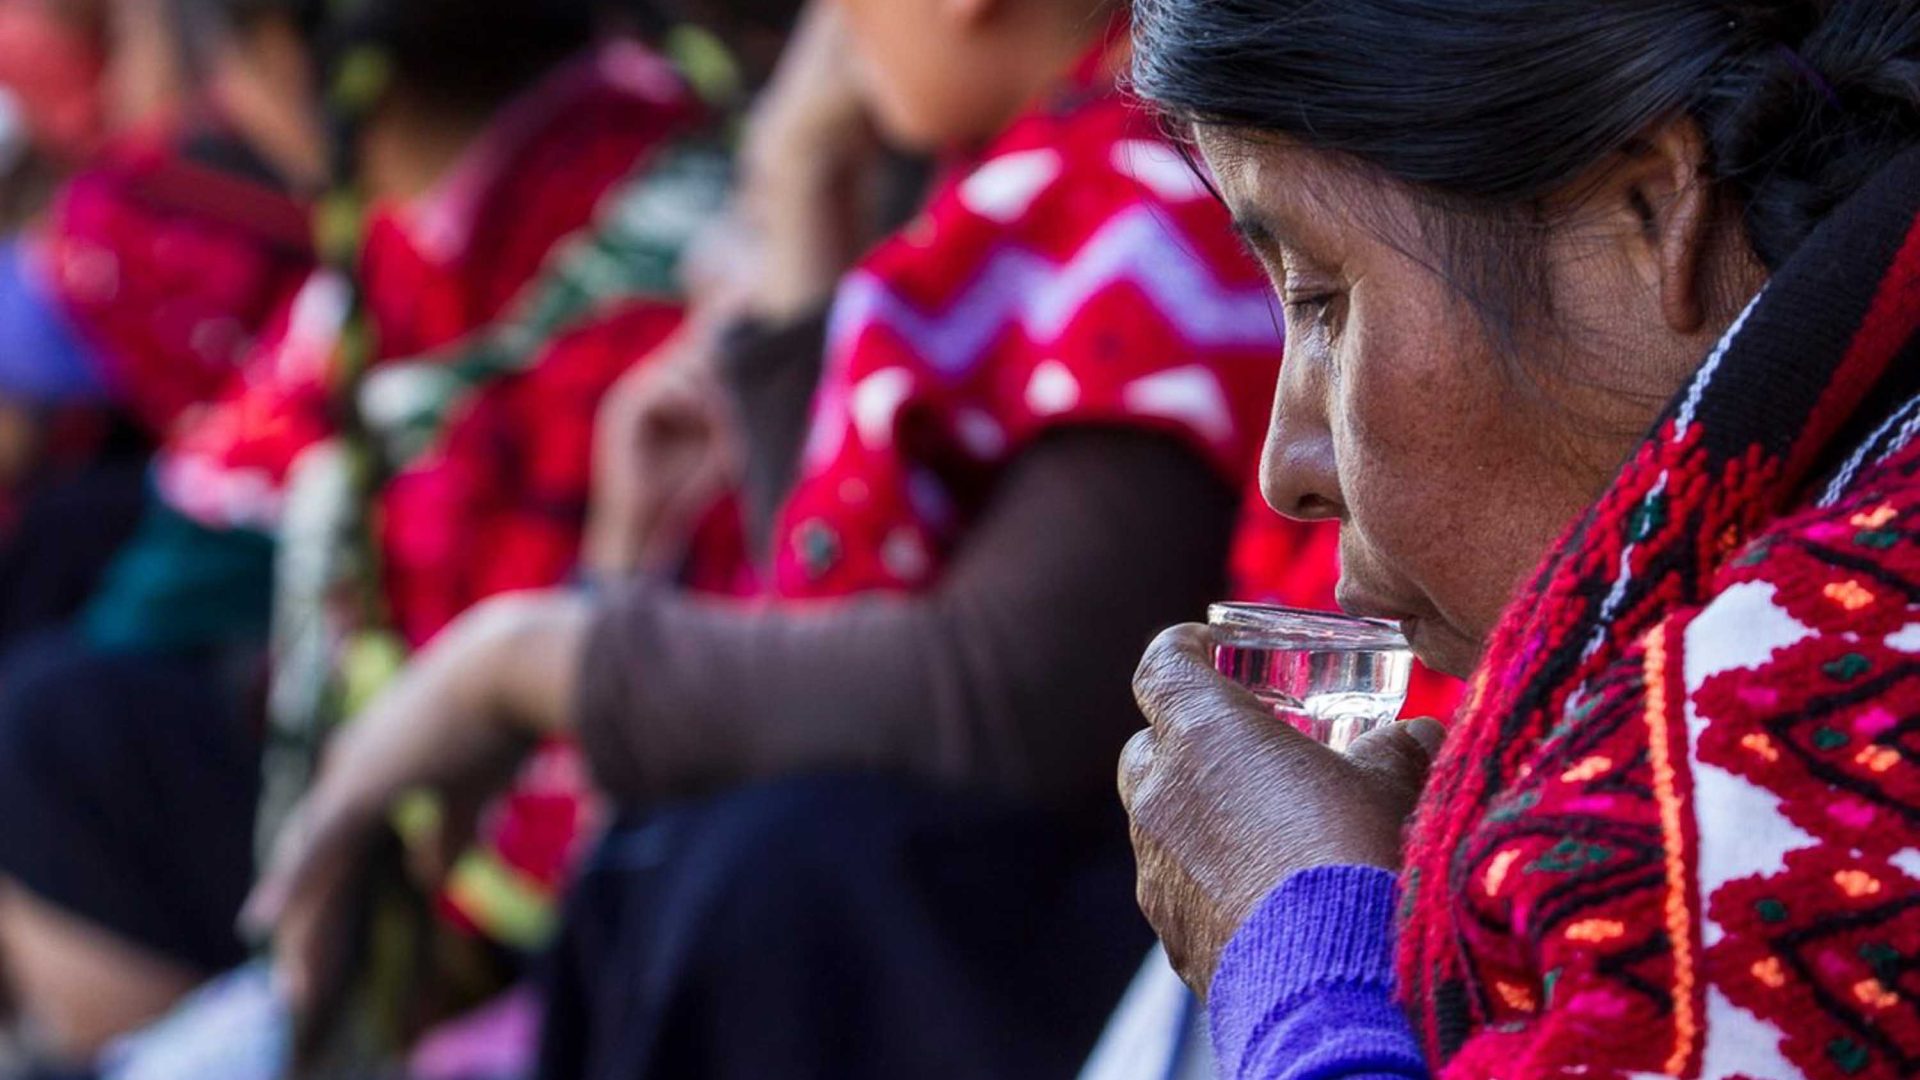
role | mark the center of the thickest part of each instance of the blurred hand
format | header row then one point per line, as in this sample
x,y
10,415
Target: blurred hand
x,y
1226,800
666,447
812,117
20,432
456,724
721,268
809,158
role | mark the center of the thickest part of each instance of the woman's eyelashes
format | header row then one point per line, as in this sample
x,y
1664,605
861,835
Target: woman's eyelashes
x,y
1315,306
1307,290
1312,300
1310,303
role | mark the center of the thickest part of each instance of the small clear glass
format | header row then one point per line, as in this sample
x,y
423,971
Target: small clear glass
x,y
1334,677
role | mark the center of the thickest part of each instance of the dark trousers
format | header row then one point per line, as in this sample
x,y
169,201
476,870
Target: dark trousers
x,y
841,928
127,791
68,530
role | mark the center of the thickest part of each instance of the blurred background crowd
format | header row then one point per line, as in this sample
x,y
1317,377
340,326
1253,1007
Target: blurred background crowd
x,y
602,516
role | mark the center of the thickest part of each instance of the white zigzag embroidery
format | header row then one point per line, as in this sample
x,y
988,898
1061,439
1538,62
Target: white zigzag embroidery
x,y
1017,287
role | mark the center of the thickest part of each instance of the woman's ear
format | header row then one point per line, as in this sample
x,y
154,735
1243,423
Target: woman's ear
x,y
1660,192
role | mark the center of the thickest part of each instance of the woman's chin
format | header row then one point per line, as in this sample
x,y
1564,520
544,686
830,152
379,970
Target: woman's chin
x,y
1441,648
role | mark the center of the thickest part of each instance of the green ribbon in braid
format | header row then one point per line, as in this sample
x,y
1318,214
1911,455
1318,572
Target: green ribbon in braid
x,y
632,251
327,558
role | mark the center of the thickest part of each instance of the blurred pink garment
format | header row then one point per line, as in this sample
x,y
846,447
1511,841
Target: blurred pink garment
x,y
497,1040
53,67
170,261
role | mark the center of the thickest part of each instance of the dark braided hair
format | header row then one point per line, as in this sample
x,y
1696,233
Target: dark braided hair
x,y
1493,105
459,52
463,53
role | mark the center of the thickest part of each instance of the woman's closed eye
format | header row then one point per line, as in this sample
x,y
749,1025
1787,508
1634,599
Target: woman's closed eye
x,y
1317,307
1309,301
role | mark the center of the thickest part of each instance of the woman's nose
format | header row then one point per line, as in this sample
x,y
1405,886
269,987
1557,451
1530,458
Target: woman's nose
x,y
1298,470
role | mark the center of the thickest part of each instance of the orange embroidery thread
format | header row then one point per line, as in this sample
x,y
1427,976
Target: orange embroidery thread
x,y
1587,770
1850,595
1595,931
1871,994
1517,997
1497,870
1679,926
1762,746
1878,758
1857,883
1876,518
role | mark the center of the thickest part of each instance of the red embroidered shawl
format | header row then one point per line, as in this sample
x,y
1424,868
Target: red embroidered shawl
x,y
1677,831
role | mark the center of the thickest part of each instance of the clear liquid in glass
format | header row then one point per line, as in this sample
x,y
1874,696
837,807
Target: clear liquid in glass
x,y
1332,677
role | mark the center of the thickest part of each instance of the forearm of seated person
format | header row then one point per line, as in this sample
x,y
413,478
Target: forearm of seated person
x,y
526,660
1012,673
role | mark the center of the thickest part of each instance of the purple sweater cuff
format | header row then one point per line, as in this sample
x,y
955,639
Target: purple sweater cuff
x,y
1323,934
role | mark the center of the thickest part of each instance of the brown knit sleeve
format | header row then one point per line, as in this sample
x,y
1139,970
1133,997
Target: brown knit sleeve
x,y
1014,673
771,370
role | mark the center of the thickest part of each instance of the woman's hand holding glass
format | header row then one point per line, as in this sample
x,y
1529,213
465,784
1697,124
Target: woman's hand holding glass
x,y
1226,800
456,724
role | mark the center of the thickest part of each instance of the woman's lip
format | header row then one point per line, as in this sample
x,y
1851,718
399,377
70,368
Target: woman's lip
x,y
1364,606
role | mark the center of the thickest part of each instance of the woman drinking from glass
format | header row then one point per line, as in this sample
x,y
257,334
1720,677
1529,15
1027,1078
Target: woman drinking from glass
x,y
1601,333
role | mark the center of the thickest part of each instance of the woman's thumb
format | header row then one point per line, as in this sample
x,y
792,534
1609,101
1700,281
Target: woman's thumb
x,y
1404,750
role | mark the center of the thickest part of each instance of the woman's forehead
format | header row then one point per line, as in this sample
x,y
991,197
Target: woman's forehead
x,y
1277,188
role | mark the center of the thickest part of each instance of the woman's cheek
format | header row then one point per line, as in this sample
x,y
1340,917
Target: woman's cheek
x,y
1406,448
1386,412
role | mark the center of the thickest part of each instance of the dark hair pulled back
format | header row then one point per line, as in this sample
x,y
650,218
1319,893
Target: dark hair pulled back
x,y
458,52
1500,103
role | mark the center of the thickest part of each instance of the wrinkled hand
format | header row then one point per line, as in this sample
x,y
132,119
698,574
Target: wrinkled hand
x,y
1226,800
455,724
666,448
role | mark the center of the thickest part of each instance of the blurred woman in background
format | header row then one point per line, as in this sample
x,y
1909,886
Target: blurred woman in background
x,y
864,831
135,294
459,345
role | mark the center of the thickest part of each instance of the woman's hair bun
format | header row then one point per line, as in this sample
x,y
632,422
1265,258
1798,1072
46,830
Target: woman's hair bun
x,y
1820,96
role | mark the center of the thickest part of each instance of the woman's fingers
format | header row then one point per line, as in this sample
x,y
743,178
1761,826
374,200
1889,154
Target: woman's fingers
x,y
1225,799
1185,698
313,844
1136,762
302,900
1401,752
450,726
1176,682
285,870
664,451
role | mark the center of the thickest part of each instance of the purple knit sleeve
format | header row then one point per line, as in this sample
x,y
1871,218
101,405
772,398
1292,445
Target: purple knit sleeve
x,y
1304,990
